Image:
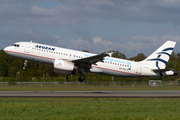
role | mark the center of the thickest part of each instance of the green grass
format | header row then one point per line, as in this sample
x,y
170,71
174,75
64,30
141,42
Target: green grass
x,y
89,109
64,87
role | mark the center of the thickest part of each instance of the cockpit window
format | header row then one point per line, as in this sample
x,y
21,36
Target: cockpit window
x,y
16,45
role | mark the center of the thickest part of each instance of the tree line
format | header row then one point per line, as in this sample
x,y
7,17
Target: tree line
x,y
11,69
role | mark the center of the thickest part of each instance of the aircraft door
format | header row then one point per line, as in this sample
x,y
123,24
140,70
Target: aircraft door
x,y
139,68
27,47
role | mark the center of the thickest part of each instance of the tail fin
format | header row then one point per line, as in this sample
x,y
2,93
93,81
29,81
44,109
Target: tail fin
x,y
160,57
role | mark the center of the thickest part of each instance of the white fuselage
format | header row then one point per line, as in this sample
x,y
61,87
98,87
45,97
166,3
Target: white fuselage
x,y
109,66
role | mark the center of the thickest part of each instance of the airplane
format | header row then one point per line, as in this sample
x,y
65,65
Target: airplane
x,y
67,61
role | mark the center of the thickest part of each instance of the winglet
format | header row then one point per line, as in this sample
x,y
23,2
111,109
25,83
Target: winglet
x,y
110,54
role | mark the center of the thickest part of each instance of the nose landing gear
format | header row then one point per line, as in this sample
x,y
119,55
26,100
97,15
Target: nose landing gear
x,y
25,63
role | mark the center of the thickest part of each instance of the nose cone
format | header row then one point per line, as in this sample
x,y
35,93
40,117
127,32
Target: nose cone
x,y
7,49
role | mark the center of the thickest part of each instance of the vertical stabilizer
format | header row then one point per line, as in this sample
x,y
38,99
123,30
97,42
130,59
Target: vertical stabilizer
x,y
160,57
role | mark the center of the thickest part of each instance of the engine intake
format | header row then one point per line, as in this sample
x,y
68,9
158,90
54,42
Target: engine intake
x,y
63,67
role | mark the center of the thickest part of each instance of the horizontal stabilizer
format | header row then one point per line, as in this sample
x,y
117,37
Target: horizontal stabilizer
x,y
162,70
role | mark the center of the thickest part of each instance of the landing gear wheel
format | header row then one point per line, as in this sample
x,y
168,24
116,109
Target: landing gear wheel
x,y
81,78
25,63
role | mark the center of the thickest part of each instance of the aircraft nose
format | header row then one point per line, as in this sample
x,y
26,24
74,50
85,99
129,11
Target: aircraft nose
x,y
6,49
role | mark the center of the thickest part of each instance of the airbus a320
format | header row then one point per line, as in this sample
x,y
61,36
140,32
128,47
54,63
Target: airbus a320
x,y
67,61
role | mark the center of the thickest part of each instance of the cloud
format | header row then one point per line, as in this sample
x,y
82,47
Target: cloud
x,y
22,1
130,46
80,31
9,37
86,12
32,33
76,44
146,45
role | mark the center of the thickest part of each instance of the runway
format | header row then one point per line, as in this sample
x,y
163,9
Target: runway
x,y
93,94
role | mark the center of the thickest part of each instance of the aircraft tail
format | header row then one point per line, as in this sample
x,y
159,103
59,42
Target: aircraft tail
x,y
160,57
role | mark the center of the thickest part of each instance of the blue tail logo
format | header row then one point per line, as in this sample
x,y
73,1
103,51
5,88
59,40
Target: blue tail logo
x,y
158,59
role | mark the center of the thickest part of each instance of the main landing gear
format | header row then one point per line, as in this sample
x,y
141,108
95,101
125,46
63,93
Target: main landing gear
x,y
81,78
81,71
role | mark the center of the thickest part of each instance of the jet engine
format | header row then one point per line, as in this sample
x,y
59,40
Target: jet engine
x,y
64,67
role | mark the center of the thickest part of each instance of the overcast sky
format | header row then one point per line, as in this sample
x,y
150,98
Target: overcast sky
x,y
129,26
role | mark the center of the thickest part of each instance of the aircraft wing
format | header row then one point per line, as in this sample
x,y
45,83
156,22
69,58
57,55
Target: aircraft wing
x,y
91,60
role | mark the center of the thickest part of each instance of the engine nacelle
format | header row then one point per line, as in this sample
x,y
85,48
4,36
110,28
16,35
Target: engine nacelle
x,y
63,67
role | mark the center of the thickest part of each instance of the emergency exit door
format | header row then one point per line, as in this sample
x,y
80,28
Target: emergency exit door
x,y
139,68
27,47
